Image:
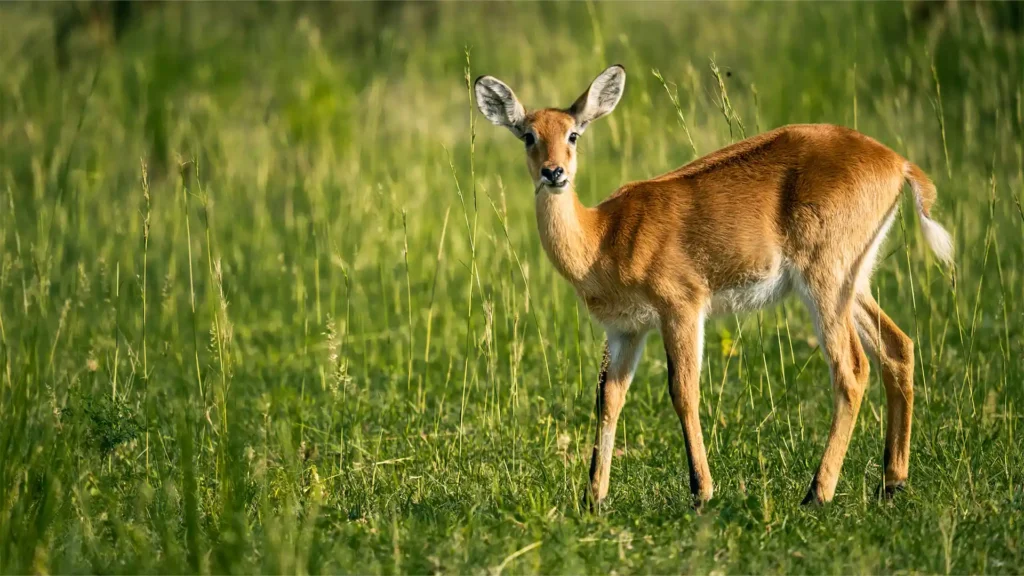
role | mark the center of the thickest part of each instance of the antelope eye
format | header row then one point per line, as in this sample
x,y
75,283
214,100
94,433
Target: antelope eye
x,y
529,139
573,137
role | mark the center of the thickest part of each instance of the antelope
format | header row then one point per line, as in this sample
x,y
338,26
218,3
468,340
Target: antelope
x,y
801,208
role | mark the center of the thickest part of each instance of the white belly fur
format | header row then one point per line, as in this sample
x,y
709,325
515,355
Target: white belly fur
x,y
631,317
754,295
636,315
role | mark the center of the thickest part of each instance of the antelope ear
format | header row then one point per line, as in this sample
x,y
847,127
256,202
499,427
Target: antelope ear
x,y
602,96
499,104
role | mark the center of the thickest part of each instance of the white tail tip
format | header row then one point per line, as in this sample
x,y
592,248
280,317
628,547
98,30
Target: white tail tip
x,y
938,239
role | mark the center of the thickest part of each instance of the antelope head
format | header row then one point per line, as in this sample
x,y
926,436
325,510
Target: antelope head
x,y
550,134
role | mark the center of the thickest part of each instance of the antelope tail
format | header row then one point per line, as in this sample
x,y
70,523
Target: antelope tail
x,y
935,235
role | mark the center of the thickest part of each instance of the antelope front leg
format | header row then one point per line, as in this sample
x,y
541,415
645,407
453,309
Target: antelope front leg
x,y
684,347
622,352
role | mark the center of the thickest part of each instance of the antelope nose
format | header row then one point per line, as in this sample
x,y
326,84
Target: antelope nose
x,y
552,175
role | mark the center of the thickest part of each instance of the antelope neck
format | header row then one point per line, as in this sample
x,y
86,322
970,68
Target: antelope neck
x,y
569,232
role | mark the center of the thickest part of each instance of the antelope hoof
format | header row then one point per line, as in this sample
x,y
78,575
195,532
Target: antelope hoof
x,y
813,497
888,492
700,498
590,503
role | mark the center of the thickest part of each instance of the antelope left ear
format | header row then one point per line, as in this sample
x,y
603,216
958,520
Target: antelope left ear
x,y
600,99
499,104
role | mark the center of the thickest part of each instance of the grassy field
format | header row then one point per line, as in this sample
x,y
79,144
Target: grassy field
x,y
272,298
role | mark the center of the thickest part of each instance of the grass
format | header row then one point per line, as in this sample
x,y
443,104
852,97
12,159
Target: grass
x,y
272,298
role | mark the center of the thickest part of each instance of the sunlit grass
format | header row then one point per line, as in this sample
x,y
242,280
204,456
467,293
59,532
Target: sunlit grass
x,y
271,300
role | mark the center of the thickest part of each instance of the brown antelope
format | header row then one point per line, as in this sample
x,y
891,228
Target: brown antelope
x,y
802,207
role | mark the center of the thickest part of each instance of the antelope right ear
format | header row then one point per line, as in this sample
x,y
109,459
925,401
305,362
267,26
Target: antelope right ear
x,y
600,98
498,104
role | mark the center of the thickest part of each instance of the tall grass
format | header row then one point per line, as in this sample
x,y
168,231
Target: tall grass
x,y
315,330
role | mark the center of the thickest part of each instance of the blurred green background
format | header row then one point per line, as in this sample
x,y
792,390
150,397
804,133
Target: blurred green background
x,y
272,298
